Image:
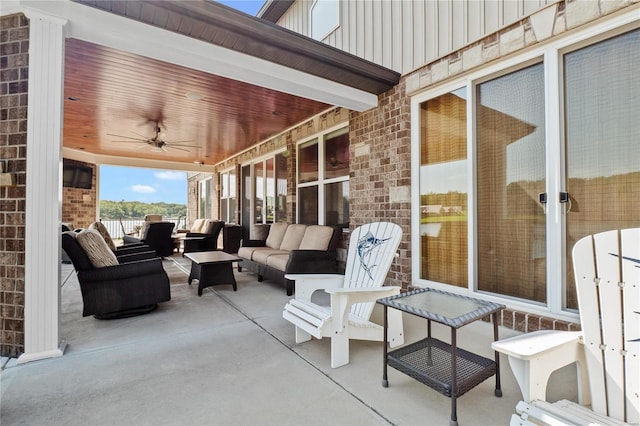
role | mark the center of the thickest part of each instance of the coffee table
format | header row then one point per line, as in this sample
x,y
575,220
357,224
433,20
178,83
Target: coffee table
x,y
212,268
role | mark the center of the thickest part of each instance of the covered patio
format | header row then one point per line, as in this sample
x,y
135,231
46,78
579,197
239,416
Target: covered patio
x,y
229,358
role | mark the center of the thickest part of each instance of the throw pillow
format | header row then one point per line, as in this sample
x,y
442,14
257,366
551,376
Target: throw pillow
x,y
96,248
99,226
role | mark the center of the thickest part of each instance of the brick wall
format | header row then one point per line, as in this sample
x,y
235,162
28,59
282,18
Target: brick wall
x,y
380,179
14,45
79,205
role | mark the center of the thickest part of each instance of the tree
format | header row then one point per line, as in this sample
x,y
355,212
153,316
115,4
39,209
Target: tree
x,y
137,210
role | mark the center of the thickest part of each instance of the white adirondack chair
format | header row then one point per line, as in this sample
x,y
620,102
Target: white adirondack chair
x,y
607,350
372,248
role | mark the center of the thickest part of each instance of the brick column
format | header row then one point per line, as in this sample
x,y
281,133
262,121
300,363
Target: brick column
x,y
14,45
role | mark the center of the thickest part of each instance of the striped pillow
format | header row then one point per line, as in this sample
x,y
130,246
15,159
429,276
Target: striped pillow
x,y
98,252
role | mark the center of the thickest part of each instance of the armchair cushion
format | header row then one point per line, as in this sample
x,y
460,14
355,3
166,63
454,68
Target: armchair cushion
x,y
197,225
99,253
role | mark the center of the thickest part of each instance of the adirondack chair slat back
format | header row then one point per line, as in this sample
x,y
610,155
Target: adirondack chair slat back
x,y
372,248
607,272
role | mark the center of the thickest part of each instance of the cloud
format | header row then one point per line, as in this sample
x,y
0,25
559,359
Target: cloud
x,y
143,189
168,175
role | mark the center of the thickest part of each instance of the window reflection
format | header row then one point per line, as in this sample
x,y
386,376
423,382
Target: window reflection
x,y
336,158
308,162
443,196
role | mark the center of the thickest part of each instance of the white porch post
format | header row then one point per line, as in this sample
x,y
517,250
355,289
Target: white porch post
x,y
43,192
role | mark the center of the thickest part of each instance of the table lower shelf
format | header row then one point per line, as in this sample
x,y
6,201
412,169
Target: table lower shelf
x,y
429,362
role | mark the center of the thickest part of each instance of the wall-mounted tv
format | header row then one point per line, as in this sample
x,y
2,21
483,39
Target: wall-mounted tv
x,y
75,175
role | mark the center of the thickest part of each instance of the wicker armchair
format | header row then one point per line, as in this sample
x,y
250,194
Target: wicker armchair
x,y
156,235
134,285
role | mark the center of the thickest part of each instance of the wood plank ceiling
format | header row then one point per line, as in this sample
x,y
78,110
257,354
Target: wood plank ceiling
x,y
109,92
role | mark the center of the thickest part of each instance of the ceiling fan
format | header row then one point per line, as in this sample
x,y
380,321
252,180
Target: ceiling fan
x,y
157,142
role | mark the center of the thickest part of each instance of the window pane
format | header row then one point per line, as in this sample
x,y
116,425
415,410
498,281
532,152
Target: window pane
x,y
324,18
231,218
223,210
258,190
336,155
205,199
281,188
336,203
602,102
308,199
308,162
271,190
443,189
245,220
510,175
232,184
225,185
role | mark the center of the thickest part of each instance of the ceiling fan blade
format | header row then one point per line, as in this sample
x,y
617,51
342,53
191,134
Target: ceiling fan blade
x,y
130,141
129,137
179,142
178,148
182,145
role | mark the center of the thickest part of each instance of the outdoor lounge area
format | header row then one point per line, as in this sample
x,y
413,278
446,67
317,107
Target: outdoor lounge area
x,y
230,358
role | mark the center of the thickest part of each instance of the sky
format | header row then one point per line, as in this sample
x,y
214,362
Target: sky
x,y
145,185
247,6
150,185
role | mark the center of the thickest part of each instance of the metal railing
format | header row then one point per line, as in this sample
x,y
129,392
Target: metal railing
x,y
131,225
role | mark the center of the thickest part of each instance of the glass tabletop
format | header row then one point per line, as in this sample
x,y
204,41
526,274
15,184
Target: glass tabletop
x,y
451,309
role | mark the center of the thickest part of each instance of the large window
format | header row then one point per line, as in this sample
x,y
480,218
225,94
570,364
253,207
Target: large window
x,y
602,92
264,191
516,164
323,179
228,196
204,197
510,164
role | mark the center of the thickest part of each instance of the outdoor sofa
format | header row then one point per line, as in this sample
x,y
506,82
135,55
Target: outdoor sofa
x,y
291,249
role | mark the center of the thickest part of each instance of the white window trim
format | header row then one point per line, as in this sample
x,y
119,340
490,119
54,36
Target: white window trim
x,y
551,53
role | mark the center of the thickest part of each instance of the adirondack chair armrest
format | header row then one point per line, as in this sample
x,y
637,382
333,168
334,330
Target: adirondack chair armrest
x,y
307,284
534,356
343,298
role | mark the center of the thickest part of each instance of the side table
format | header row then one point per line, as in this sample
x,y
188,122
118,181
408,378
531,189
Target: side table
x,y
434,362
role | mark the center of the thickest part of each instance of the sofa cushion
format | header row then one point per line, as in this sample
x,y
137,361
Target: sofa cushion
x,y
247,252
99,226
276,234
261,256
97,250
292,237
278,261
316,237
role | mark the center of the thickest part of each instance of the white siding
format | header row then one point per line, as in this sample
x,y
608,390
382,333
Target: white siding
x,y
406,34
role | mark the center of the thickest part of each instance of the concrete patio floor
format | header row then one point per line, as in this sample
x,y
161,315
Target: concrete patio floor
x,y
229,358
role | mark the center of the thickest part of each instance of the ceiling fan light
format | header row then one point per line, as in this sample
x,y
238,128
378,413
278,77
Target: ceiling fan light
x,y
156,149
